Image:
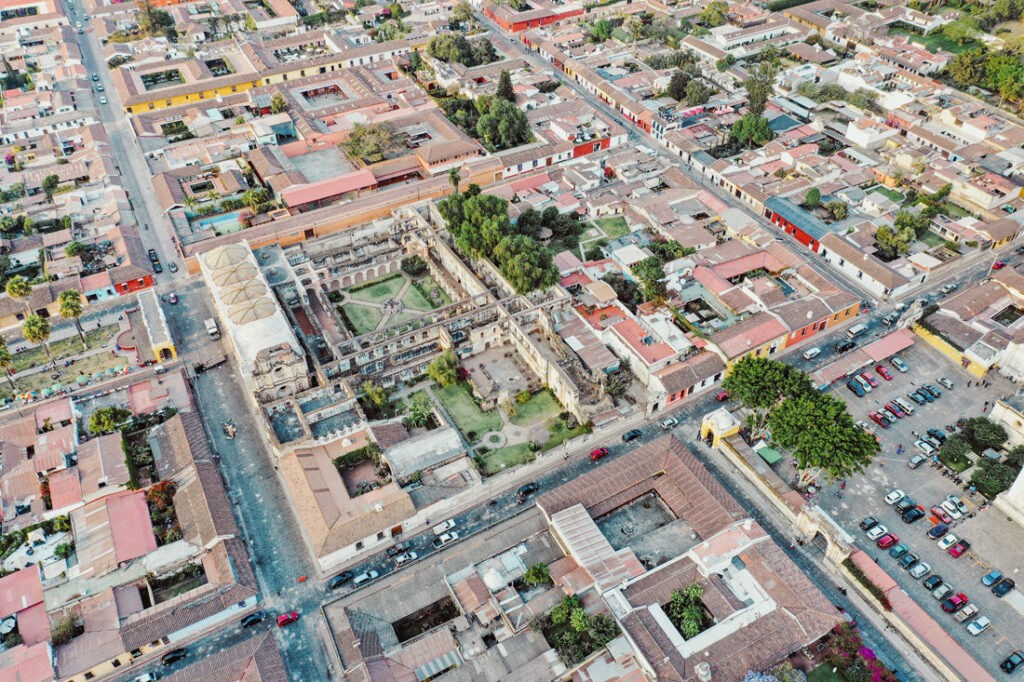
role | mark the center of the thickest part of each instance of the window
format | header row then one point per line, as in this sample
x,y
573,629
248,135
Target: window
x,y
380,536
89,676
116,663
359,545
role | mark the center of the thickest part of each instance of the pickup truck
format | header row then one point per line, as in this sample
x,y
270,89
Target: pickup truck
x,y
207,363
444,526
443,540
966,613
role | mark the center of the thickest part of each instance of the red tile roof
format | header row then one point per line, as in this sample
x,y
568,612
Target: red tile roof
x,y
26,664
298,195
651,351
130,526
65,488
20,590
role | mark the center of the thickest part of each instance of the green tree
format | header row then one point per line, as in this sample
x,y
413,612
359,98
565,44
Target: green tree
x,y
71,308
603,629
983,433
7,364
255,197
503,126
373,143
563,611
714,14
443,370
107,419
462,13
525,263
625,290
838,209
479,224
762,383
66,629
74,249
759,87
414,265
962,30
992,478
19,289
601,31
677,85
37,330
651,275
580,621
64,550
505,90
751,129
813,198
537,574
634,26
278,104
376,394
50,185
697,92
390,30
892,241
822,436
419,410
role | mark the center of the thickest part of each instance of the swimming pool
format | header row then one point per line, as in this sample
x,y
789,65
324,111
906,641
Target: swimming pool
x,y
222,224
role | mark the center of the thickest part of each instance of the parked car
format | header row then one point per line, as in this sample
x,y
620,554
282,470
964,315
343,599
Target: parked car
x,y
287,618
916,398
103,99
339,580
884,372
925,447
936,393
895,496
990,579
979,625
956,501
938,530
172,657
916,461
855,388
172,266
445,538
631,435
868,522
949,288
938,435
924,395
903,405
887,541
1003,587
904,504
444,527
945,382
888,415
951,509
403,559
948,541
896,551
919,570
966,612
908,560
598,454
395,550
669,423
864,383
1012,662
940,592
253,618
157,268
941,514
172,298
932,582
913,515
898,363
365,577
870,379
895,409
998,265
880,420
846,345
890,318
529,488
876,532
954,602
722,396
811,353
959,549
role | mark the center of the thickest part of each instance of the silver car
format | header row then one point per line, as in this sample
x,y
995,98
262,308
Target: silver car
x,y
919,570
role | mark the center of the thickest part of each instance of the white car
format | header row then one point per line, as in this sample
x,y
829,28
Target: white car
x,y
900,366
103,100
895,496
945,382
941,591
948,541
877,532
406,558
954,500
952,509
443,540
979,625
864,383
925,447
444,526
811,353
669,423
919,570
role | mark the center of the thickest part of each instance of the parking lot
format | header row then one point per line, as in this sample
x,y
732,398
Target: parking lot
x,y
864,495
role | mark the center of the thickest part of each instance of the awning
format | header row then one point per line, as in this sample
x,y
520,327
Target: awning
x,y
438,665
856,360
769,455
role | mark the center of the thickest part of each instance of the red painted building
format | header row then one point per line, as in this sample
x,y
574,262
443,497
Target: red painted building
x,y
590,146
513,21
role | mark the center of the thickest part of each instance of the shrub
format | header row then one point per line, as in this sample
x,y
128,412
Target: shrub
x,y
523,397
864,580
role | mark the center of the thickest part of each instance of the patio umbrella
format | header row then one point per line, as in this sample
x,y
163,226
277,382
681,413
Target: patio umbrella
x,y
97,375
47,392
82,379
56,387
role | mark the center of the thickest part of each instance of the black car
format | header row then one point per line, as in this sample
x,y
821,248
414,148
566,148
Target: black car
x,y
172,657
916,398
844,346
529,488
632,434
936,393
157,268
913,514
904,504
339,580
938,530
907,561
932,581
152,255
1012,662
924,395
395,550
1001,588
254,618
937,435
868,522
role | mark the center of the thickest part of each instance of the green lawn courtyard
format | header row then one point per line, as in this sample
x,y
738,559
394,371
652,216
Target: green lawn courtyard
x,y
379,291
365,311
613,226
540,406
468,416
506,457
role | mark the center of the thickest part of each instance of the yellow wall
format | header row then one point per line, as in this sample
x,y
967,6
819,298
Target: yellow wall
x,y
954,355
198,96
107,667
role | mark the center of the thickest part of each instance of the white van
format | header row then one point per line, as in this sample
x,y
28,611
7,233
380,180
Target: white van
x,y
856,330
903,405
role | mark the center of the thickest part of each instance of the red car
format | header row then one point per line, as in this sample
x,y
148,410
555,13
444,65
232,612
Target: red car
x,y
886,374
940,513
598,454
954,603
998,265
894,408
287,618
887,541
722,397
879,419
959,548
870,379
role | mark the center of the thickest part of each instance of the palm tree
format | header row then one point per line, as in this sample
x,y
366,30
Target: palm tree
x,y
19,289
190,202
418,410
71,309
37,330
455,177
7,364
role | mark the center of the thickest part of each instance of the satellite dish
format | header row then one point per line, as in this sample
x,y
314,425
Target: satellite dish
x,y
8,624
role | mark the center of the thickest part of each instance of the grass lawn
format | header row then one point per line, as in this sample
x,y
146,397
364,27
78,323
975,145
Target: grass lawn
x,y
540,406
100,362
381,291
560,433
935,42
437,294
889,192
504,458
931,239
67,347
613,227
953,210
823,673
414,300
363,317
467,414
